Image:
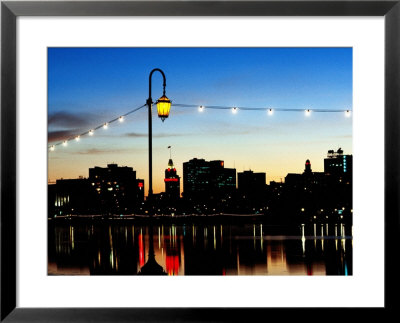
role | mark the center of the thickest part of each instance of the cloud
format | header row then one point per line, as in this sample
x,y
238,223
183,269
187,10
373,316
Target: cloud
x,y
61,135
68,120
345,136
95,151
157,135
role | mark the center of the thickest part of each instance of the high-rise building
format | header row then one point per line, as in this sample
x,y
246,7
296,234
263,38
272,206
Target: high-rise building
x,y
207,179
116,188
140,190
172,182
72,196
307,169
252,185
338,164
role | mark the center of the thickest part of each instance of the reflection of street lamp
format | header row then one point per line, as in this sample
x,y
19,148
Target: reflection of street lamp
x,y
163,107
151,267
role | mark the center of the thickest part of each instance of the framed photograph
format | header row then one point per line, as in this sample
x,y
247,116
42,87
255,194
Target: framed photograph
x,y
193,160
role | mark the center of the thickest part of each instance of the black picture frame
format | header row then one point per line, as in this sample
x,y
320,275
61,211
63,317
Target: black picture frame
x,y
10,10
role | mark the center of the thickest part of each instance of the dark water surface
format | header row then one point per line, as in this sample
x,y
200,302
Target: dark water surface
x,y
122,248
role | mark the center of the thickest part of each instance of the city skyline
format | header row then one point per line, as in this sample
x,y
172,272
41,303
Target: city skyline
x,y
307,167
90,86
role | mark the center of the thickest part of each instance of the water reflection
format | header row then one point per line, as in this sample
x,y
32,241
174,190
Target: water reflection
x,y
215,249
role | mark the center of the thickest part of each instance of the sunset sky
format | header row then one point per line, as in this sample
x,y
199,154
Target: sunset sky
x,y
90,86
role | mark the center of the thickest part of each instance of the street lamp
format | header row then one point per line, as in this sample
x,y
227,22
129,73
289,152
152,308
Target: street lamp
x,y
163,107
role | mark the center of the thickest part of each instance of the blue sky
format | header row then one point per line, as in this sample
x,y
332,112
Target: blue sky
x,y
89,86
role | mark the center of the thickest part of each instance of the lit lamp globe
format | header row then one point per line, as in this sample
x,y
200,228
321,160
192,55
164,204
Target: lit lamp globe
x,y
163,107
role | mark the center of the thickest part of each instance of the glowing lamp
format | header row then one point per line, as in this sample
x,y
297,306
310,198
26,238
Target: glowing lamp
x,y
163,107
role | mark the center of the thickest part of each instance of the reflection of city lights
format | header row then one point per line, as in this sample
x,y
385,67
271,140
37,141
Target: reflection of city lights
x,y
172,264
141,250
303,239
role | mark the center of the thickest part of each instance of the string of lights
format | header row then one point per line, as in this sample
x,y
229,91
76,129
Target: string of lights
x,y
217,107
201,108
90,132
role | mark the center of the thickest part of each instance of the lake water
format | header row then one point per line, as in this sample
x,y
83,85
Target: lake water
x,y
122,248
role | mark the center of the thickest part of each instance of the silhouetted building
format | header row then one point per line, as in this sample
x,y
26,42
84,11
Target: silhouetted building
x,y
306,179
207,179
140,190
116,188
252,185
307,169
72,196
172,182
338,164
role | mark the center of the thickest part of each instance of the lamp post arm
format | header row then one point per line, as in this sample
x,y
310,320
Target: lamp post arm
x,y
164,82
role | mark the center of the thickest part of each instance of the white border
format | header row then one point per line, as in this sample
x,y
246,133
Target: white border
x,y
365,288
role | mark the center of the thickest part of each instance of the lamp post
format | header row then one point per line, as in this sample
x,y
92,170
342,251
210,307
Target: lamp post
x,y
163,107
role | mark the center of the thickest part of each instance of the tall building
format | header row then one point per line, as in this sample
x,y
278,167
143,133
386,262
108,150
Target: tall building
x,y
207,179
338,164
72,196
307,169
172,182
116,187
252,185
140,190
307,178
